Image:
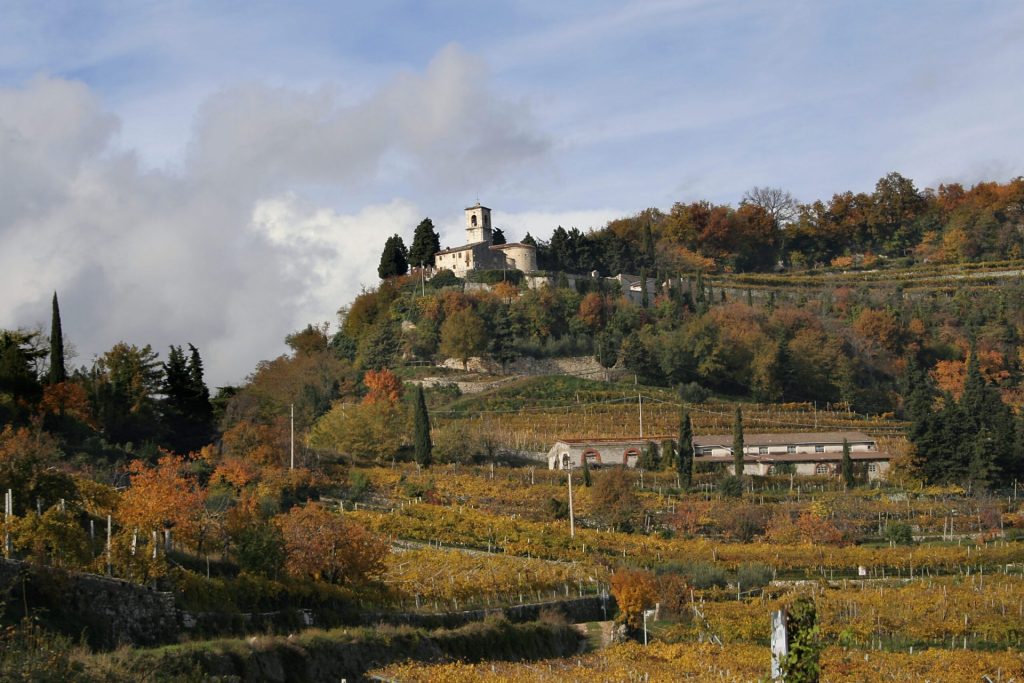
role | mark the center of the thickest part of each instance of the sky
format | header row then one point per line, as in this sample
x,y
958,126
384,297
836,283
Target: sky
x,y
222,173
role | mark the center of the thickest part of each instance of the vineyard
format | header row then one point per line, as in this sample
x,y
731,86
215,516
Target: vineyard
x,y
938,607
531,414
665,663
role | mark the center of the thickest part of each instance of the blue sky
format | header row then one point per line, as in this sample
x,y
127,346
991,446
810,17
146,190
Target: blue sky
x,y
173,167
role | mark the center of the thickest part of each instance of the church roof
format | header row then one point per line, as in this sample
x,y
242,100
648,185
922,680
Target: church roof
x,y
464,247
513,244
477,206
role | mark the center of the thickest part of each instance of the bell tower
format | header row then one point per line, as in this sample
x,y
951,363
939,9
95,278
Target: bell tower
x,y
478,224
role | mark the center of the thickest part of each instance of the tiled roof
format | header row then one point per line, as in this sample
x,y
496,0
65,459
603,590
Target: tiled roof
x,y
791,439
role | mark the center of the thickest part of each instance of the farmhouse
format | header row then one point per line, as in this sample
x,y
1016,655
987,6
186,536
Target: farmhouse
x,y
569,453
805,453
480,252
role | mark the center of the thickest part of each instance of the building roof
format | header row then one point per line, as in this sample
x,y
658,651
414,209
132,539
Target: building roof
x,y
513,244
478,205
791,439
462,248
612,442
831,456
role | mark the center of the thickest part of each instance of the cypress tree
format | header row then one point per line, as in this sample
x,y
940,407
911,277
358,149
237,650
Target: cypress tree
x,y
684,452
737,443
57,372
587,481
394,258
643,288
847,465
421,431
425,243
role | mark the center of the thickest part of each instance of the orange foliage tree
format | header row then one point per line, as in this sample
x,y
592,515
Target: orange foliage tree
x,y
326,546
634,591
383,386
163,497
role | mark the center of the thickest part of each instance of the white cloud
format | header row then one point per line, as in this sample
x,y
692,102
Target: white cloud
x,y
226,253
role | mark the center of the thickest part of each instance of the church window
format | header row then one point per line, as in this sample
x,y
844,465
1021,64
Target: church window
x,y
472,221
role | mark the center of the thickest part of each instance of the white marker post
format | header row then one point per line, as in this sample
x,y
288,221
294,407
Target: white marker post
x,y
780,644
572,519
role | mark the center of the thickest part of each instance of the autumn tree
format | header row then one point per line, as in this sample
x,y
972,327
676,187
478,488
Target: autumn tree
x,y
325,546
28,466
164,497
376,429
383,386
613,500
634,591
780,205
463,335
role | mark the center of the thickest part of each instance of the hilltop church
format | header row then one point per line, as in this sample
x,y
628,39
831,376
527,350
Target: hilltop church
x,y
480,252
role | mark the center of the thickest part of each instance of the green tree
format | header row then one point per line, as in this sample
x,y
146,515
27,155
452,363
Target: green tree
x,y
644,300
737,443
649,457
124,384
425,243
848,481
801,664
57,371
463,335
588,480
394,259
498,237
684,454
421,431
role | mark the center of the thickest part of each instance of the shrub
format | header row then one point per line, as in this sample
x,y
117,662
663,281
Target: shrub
x,y
707,575
753,575
731,486
692,392
899,533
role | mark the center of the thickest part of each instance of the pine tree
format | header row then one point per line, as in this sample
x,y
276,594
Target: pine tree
x,y
848,481
737,443
498,237
394,258
421,431
57,371
425,243
684,452
200,408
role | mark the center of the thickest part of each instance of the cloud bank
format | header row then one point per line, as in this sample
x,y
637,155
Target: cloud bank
x,y
275,219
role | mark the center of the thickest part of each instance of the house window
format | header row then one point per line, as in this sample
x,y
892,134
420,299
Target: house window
x,y
762,450
704,450
791,449
821,468
872,467
819,449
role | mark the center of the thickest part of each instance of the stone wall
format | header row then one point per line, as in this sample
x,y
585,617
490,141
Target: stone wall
x,y
109,612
